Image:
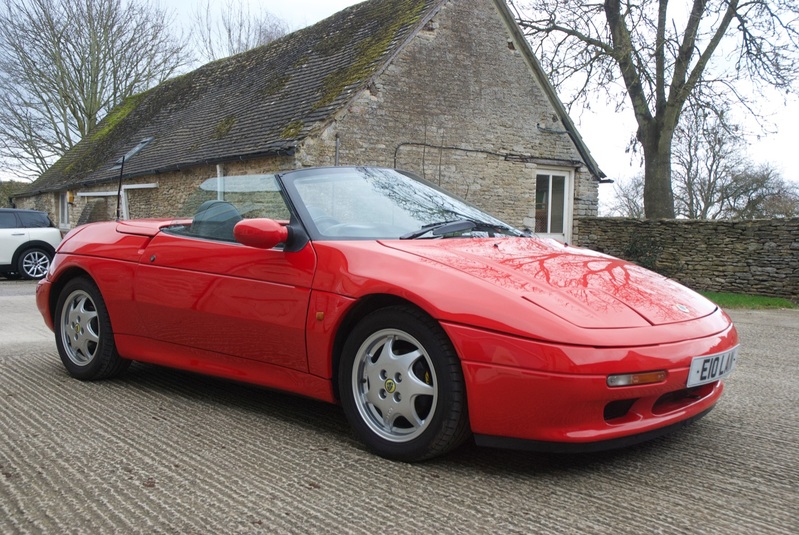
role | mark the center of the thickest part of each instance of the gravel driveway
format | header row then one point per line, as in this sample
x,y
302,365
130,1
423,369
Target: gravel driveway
x,y
162,451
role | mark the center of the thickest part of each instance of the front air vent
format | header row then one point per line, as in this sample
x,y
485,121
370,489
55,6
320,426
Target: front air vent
x,y
618,409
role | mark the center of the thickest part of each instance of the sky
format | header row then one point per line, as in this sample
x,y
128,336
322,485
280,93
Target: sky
x,y
301,13
605,132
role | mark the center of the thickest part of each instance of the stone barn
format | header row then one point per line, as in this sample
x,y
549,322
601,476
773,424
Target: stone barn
x,y
448,89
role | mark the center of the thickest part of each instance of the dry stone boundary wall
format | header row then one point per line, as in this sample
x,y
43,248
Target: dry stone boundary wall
x,y
758,257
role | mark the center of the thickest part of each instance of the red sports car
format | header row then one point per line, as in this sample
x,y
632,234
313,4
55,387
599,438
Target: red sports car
x,y
427,319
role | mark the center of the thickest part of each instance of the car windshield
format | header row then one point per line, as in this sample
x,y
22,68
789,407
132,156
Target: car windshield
x,y
370,203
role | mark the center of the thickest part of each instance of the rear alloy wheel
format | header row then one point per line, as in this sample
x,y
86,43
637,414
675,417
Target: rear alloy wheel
x,y
83,333
33,264
402,387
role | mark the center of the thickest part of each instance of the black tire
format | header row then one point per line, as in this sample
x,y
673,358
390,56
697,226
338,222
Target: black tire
x,y
33,263
83,333
411,405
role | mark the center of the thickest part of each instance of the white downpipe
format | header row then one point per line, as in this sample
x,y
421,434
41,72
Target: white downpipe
x,y
220,190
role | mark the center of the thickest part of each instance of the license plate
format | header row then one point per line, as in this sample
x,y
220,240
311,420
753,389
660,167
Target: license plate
x,y
712,367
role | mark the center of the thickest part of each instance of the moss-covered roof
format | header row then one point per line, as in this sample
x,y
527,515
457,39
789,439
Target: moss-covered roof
x,y
257,103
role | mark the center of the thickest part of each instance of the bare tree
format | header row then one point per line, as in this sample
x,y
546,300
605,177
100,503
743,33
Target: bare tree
x,y
9,188
656,57
714,179
708,153
783,203
65,63
759,193
629,198
234,29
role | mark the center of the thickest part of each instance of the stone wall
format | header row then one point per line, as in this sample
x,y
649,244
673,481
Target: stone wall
x,y
752,257
458,106
95,203
174,188
47,202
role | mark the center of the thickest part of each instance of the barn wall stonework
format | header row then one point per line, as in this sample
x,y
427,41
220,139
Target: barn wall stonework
x,y
174,188
165,200
47,202
455,111
753,257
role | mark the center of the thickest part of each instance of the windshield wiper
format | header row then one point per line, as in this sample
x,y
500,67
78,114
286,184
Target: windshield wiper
x,y
448,227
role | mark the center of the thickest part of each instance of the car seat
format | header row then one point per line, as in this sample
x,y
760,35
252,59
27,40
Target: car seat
x,y
215,220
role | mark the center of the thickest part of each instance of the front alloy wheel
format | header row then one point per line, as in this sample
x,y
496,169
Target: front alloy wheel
x,y
393,382
83,333
402,387
80,328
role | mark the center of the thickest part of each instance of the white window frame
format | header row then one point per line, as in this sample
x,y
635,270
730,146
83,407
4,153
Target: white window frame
x,y
568,201
63,210
123,201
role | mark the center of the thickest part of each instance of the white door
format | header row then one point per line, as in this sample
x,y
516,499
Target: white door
x,y
553,204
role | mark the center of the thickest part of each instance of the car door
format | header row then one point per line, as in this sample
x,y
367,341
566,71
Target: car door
x,y
198,288
226,298
12,235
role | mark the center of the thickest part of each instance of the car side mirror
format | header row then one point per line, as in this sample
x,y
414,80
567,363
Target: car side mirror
x,y
260,233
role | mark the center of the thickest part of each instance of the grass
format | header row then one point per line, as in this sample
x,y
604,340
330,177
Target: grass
x,y
729,300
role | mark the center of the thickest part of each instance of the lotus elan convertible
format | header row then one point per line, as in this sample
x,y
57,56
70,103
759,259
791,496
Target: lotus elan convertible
x,y
428,320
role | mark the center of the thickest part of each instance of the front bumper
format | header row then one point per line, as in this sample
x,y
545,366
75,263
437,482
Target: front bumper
x,y
43,301
506,443
565,404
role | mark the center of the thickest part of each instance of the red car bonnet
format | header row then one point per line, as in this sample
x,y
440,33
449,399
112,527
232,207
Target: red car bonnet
x,y
586,288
